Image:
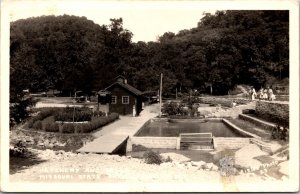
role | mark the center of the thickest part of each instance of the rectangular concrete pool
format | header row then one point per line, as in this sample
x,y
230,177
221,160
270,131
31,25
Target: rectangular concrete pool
x,y
173,127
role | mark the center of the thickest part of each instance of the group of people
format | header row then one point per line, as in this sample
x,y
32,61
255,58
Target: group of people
x,y
262,94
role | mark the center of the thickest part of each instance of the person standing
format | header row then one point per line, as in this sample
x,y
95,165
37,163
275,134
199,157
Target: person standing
x,y
270,93
253,96
250,92
261,94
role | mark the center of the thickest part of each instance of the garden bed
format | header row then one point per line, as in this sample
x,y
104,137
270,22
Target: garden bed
x,y
69,120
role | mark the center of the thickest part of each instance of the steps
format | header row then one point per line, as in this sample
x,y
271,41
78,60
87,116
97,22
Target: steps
x,y
196,141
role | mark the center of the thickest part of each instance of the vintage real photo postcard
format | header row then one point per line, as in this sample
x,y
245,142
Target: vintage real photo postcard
x,y
150,96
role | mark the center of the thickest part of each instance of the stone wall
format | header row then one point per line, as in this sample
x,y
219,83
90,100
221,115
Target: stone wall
x,y
153,142
226,102
238,130
230,143
273,111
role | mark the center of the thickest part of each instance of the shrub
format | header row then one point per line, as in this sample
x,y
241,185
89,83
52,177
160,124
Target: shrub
x,y
168,159
19,150
175,109
38,125
68,128
20,109
170,108
280,133
52,127
98,113
152,158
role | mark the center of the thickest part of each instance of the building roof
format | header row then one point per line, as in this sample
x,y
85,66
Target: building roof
x,y
127,87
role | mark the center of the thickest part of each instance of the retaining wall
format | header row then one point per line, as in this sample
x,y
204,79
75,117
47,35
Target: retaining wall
x,y
273,111
258,122
239,130
153,142
230,143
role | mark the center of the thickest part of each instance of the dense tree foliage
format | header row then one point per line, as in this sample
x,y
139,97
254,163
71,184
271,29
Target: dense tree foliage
x,y
71,53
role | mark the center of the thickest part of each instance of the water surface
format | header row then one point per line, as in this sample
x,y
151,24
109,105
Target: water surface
x,y
172,128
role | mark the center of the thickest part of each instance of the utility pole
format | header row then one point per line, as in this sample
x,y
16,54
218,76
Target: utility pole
x,y
74,107
160,94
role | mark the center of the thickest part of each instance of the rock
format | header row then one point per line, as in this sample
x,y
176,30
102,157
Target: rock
x,y
61,144
50,145
198,164
188,164
175,157
41,144
180,165
215,168
46,142
209,165
244,157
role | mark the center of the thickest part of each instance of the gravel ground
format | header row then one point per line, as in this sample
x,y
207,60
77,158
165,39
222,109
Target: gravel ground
x,y
60,166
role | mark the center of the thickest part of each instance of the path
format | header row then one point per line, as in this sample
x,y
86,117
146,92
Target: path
x,y
234,111
110,137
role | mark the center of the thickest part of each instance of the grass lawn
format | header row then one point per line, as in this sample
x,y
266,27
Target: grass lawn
x,y
63,100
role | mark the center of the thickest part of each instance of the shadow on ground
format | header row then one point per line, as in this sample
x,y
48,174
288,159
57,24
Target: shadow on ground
x,y
17,164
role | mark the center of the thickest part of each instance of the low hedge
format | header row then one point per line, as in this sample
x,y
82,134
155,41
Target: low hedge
x,y
99,113
41,116
68,128
89,127
52,127
98,122
38,125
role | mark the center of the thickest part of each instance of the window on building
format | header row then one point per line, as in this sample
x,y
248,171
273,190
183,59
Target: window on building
x,y
114,99
125,99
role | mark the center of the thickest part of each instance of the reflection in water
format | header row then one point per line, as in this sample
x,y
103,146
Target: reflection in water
x,y
163,128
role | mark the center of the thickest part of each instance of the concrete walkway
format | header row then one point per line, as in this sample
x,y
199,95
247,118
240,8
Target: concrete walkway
x,y
112,136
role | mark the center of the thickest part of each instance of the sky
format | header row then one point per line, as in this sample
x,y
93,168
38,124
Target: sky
x,y
146,20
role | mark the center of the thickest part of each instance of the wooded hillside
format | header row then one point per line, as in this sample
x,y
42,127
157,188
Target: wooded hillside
x,y
70,53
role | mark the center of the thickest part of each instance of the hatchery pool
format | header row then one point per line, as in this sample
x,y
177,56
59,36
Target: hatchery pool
x,y
174,127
